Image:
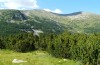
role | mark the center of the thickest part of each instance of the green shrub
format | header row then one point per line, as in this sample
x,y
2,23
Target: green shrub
x,y
24,46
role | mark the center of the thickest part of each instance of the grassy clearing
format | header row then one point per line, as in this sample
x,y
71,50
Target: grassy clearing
x,y
32,58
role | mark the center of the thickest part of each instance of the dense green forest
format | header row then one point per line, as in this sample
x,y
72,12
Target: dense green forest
x,y
81,47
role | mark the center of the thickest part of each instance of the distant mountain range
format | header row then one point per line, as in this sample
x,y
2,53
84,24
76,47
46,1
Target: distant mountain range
x,y
17,21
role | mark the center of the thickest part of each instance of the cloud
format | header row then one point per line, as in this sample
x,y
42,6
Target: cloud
x,y
47,10
18,4
55,11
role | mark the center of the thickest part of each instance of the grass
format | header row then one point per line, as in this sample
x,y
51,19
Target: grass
x,y
33,58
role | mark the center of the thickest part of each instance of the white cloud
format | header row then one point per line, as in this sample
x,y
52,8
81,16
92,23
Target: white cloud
x,y
47,10
55,11
19,4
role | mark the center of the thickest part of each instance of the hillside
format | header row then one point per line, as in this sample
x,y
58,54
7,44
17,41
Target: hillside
x,y
17,21
14,21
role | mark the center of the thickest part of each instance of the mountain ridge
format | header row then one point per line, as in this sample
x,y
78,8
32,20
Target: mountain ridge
x,y
79,22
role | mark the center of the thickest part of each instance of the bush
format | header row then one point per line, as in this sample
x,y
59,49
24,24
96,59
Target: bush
x,y
24,46
2,45
81,47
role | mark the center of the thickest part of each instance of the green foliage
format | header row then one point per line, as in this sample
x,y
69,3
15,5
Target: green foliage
x,y
2,45
24,45
20,43
81,47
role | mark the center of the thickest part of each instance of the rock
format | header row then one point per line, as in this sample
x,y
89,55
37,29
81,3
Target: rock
x,y
18,61
64,59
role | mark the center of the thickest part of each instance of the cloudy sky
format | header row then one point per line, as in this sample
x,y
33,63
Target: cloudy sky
x,y
56,6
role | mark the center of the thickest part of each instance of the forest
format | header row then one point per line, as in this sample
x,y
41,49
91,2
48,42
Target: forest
x,y
76,46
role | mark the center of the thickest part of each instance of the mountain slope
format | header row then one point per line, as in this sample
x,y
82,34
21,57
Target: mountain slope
x,y
81,22
17,21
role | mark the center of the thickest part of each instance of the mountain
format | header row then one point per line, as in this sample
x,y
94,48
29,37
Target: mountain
x,y
17,21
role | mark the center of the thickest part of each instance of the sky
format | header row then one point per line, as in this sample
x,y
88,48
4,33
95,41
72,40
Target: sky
x,y
56,6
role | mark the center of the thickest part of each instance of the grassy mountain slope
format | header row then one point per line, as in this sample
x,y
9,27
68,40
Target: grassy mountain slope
x,y
81,22
16,21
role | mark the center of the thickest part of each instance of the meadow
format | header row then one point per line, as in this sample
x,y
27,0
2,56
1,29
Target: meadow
x,y
33,58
